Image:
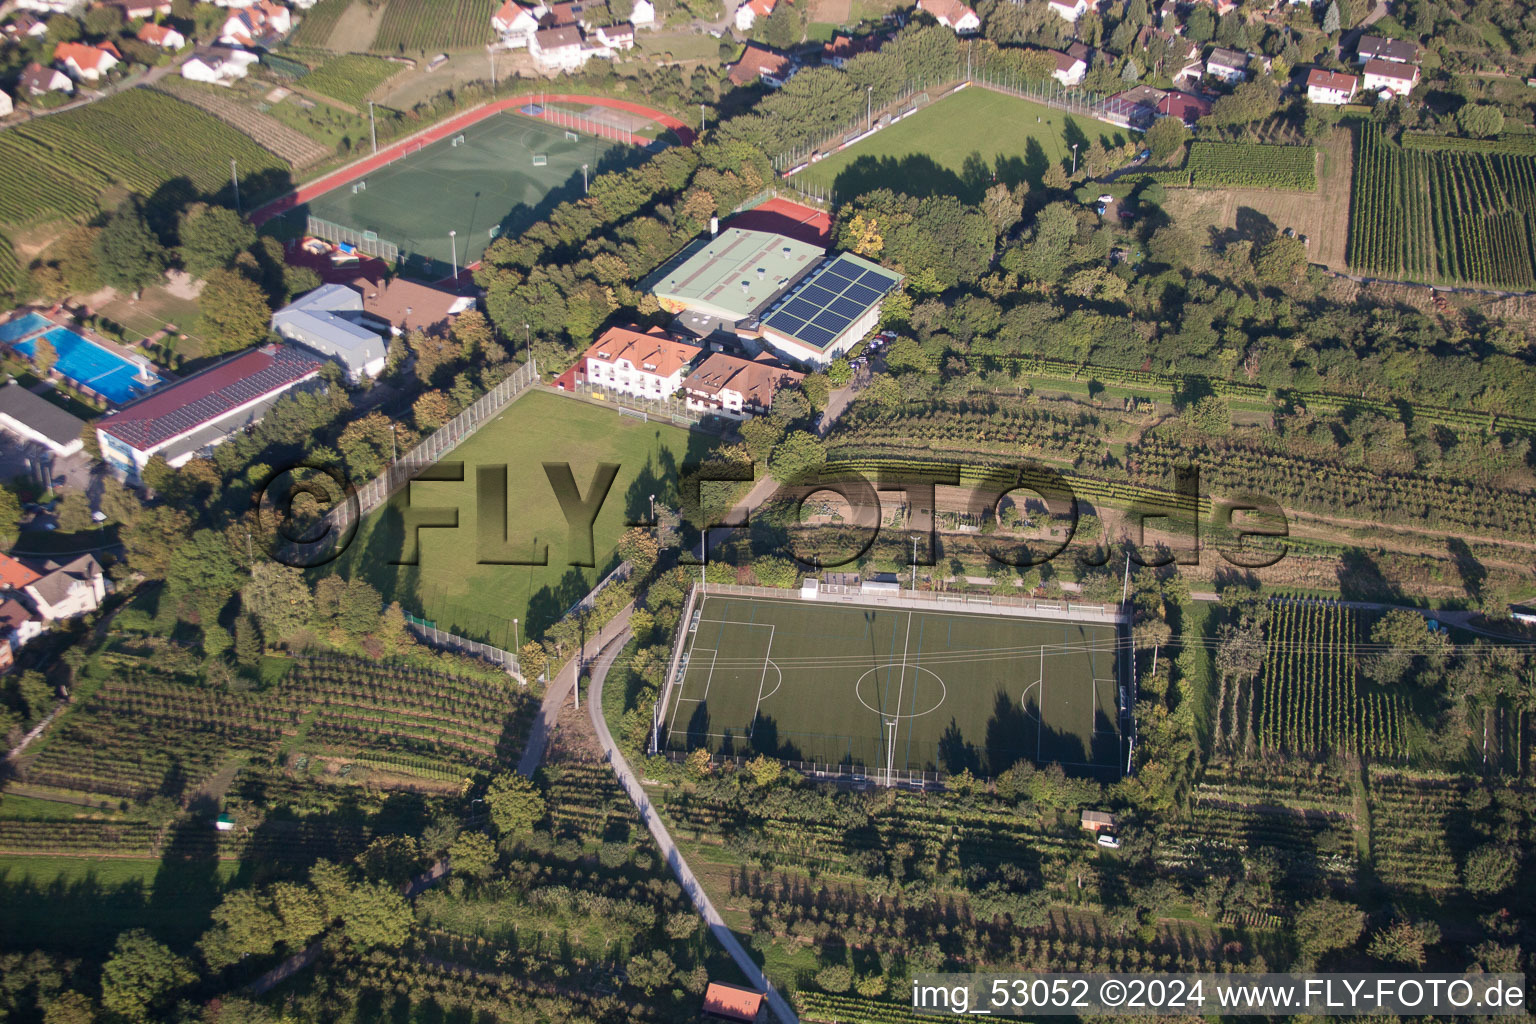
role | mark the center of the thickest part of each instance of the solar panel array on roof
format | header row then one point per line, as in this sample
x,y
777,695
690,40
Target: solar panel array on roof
x,y
835,296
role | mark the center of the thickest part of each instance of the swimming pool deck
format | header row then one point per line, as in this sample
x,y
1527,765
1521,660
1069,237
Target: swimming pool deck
x,y
52,319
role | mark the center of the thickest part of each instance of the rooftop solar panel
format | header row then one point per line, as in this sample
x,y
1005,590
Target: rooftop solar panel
x,y
800,308
836,278
786,323
859,293
818,336
876,279
847,307
817,294
831,321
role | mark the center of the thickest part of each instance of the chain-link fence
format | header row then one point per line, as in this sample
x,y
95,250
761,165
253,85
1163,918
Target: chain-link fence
x,y
854,774
377,491
936,600
910,98
668,408
366,242
428,633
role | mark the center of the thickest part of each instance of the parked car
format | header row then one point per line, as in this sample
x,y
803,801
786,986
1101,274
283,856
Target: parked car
x,y
1107,840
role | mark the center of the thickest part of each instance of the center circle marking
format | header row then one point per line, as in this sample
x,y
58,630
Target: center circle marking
x,y
943,690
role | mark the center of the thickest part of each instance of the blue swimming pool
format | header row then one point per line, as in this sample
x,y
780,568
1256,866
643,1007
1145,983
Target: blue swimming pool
x,y
22,326
83,362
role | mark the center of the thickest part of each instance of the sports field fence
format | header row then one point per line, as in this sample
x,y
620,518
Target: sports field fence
x,y
377,491
427,632
858,775
666,409
366,242
581,123
916,95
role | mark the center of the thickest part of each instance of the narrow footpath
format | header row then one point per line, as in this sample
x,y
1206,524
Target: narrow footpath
x,y
685,877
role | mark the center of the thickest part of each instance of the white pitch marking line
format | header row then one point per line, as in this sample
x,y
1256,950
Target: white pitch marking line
x,y
901,681
763,680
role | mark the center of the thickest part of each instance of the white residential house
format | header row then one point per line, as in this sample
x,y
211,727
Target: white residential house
x,y
86,63
649,365
643,15
24,26
1331,87
728,385
559,49
1069,10
162,36
617,37
748,13
1070,70
260,23
37,80
218,65
19,625
1399,51
68,590
50,6
1385,76
515,24
6,106
1227,66
953,15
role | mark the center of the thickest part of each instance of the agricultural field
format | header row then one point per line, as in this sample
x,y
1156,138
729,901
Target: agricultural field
x,y
317,24
1250,165
1458,213
272,134
1254,213
146,731
421,28
935,151
452,587
1309,700
137,140
350,78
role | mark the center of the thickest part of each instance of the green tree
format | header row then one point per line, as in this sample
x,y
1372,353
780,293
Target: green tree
x,y
1281,259
1331,18
63,29
431,410
70,1007
840,371
817,388
10,512
472,331
391,858
376,915
103,21
1490,869
765,770
279,597
834,978
1480,120
1325,925
1165,138
515,804
211,237
782,28
37,694
1200,26
797,457
140,976
473,855
44,356
638,546
651,973
1403,943
128,255
235,312
248,645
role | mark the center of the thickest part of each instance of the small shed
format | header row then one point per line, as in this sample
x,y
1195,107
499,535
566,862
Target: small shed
x,y
732,1002
225,822
1098,821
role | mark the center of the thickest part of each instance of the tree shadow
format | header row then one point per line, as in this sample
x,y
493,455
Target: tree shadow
x,y
1472,572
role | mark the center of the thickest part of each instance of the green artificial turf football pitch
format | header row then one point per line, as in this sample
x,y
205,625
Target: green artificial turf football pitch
x,y
934,690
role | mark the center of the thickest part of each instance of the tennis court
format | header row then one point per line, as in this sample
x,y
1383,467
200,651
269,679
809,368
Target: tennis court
x,y
508,172
926,690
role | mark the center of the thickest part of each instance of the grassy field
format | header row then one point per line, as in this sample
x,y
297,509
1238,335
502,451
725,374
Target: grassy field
x,y
960,146
350,78
480,601
488,184
806,681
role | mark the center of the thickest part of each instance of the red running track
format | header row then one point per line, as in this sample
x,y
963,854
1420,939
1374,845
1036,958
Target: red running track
x,y
352,172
